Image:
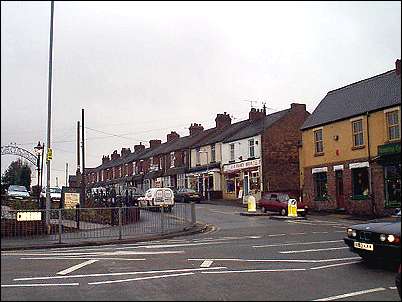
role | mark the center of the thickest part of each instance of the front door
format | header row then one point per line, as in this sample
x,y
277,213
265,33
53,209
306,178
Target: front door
x,y
340,199
245,184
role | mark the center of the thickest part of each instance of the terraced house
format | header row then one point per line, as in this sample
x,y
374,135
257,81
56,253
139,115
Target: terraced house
x,y
202,160
350,155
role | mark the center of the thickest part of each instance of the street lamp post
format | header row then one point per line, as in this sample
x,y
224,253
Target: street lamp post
x,y
206,152
38,150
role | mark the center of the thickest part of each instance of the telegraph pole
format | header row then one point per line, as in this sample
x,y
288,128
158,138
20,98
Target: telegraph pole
x,y
66,174
49,117
83,160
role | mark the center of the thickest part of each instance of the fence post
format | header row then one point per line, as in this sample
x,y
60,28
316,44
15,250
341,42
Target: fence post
x,y
193,218
120,223
60,226
162,220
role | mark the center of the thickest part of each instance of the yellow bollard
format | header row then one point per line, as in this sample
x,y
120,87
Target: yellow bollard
x,y
292,208
251,204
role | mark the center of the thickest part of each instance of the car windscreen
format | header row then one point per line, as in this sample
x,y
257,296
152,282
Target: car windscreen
x,y
189,191
17,188
55,190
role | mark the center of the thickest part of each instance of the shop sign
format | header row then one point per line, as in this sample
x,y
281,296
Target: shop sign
x,y
71,200
339,167
389,149
242,165
319,170
364,164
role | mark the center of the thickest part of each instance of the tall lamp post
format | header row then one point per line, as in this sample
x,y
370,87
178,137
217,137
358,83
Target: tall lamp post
x,y
38,151
206,152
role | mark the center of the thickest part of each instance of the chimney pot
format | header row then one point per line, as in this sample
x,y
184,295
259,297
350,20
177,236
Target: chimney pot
x,y
398,67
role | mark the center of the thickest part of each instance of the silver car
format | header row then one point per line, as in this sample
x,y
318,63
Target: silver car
x,y
19,192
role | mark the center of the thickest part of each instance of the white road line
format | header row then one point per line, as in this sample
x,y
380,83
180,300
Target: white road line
x,y
275,260
320,232
276,235
313,250
159,246
257,271
206,263
82,258
297,243
137,279
45,284
392,287
75,267
362,292
96,253
332,265
297,233
121,274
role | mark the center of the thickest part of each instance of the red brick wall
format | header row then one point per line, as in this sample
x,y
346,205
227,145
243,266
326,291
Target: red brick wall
x,y
280,156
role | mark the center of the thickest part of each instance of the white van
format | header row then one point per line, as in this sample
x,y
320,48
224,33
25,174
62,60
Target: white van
x,y
158,197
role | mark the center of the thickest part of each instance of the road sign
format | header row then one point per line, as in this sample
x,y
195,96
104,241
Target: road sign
x,y
49,154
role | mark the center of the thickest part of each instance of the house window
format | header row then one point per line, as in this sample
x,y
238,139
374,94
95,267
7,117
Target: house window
x,y
318,142
360,183
197,156
251,148
172,158
230,185
357,129
213,155
135,171
320,185
232,152
160,162
393,125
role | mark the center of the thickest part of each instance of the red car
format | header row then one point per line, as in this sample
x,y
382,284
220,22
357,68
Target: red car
x,y
278,202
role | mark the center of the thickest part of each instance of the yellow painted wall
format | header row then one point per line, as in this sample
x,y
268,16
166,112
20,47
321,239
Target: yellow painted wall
x,y
343,129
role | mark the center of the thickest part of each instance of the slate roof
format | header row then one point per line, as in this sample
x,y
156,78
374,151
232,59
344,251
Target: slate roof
x,y
256,127
368,95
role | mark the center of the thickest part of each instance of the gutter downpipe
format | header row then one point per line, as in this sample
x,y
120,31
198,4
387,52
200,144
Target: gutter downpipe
x,y
371,194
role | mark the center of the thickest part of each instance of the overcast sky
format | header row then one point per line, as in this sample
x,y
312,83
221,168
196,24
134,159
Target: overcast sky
x,y
143,69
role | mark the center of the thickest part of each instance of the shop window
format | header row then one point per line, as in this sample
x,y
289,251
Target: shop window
x,y
357,130
360,183
251,148
232,152
393,125
255,181
230,185
320,186
318,142
213,155
392,188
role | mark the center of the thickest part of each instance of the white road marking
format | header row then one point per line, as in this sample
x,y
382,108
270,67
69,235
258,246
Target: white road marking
x,y
95,254
362,292
276,235
121,274
82,258
206,263
158,246
332,265
137,279
320,232
75,267
297,243
275,260
392,287
45,284
257,271
297,233
313,250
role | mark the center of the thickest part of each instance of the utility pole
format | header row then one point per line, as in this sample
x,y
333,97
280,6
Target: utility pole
x,y
57,181
83,159
49,117
66,174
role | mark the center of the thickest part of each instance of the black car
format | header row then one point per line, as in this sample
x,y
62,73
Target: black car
x,y
398,280
379,239
187,195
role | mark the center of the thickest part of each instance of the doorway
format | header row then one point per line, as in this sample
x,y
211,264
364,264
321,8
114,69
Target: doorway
x,y
340,199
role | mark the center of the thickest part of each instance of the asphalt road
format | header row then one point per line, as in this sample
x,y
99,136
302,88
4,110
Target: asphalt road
x,y
243,258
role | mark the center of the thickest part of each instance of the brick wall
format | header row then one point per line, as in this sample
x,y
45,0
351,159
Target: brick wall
x,y
280,156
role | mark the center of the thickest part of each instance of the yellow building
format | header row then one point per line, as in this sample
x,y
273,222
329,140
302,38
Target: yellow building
x,y
350,154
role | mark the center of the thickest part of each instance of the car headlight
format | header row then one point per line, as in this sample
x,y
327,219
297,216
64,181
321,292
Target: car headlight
x,y
391,238
383,237
354,233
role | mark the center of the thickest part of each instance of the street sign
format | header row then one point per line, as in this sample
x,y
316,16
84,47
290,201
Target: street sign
x,y
29,216
49,154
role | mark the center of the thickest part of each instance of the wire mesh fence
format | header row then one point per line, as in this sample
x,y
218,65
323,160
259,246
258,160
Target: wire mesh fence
x,y
35,227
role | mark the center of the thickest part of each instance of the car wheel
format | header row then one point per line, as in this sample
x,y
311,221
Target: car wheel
x,y
283,212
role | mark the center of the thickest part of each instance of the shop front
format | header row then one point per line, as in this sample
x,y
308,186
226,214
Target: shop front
x,y
242,180
206,180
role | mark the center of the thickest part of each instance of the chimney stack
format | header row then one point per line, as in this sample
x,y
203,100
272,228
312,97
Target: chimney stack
x,y
154,142
222,120
138,148
114,155
256,114
398,67
294,106
105,159
195,129
172,136
125,151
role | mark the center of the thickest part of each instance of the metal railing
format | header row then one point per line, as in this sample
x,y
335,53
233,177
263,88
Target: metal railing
x,y
21,228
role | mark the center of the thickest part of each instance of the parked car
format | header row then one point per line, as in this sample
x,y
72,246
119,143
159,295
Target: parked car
x,y
19,192
378,239
278,202
187,195
55,193
157,197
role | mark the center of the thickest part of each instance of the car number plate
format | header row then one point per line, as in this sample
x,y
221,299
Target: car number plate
x,y
363,246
